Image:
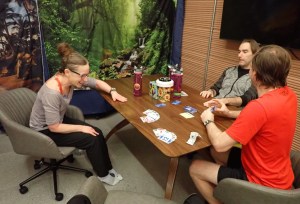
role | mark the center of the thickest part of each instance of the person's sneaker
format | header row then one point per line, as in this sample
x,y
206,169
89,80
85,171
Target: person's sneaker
x,y
110,179
194,198
116,174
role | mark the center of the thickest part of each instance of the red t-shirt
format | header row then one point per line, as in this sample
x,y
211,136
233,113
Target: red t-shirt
x,y
265,128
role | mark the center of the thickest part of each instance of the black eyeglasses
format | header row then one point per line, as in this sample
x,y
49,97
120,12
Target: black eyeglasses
x,y
81,75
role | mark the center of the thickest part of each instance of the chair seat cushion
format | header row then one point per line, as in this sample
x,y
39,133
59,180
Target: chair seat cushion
x,y
126,197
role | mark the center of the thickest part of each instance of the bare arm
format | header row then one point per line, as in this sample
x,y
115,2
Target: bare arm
x,y
249,95
103,86
221,141
236,101
68,128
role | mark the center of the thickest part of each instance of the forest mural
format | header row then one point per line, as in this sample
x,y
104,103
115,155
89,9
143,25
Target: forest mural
x,y
20,45
115,35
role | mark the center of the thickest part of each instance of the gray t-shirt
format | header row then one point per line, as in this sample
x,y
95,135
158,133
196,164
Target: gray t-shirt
x,y
50,106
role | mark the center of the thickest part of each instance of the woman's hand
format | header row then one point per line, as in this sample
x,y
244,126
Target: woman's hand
x,y
89,130
117,97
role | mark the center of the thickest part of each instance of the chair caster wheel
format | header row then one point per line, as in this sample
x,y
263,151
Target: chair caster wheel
x,y
59,196
37,164
88,174
23,189
70,159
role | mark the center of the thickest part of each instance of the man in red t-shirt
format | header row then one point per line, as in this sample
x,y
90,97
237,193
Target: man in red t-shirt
x,y
265,128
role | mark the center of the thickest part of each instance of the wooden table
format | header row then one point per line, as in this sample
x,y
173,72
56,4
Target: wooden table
x,y
170,119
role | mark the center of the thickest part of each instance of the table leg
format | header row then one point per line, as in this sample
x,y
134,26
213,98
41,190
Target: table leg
x,y
171,177
120,125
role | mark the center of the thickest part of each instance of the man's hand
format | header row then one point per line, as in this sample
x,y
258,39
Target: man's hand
x,y
207,115
207,94
221,109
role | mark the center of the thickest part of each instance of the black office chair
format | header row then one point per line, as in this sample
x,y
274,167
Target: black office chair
x,y
15,109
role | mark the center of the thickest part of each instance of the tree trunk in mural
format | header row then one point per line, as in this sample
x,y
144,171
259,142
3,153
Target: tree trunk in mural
x,y
115,35
20,47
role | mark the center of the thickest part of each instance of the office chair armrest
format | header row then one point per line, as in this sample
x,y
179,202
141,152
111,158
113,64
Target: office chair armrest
x,y
36,142
94,190
74,112
234,191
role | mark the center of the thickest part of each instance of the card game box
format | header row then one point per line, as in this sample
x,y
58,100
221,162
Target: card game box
x,y
153,89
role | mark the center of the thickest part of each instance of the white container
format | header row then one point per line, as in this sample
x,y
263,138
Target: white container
x,y
164,88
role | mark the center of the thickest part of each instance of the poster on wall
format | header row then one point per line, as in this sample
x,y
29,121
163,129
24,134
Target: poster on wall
x,y
20,47
115,35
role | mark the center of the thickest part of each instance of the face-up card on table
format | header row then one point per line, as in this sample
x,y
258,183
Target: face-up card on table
x,y
176,102
159,105
187,115
165,135
190,109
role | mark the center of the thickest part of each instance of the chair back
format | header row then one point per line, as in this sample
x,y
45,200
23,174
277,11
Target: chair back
x,y
16,105
15,110
295,159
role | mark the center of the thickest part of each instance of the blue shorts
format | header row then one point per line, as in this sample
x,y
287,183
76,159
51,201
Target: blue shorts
x,y
234,168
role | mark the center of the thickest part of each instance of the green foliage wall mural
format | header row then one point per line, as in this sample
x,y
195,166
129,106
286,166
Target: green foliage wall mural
x,y
115,35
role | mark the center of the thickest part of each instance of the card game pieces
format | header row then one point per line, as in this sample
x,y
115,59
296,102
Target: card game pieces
x,y
193,137
176,102
183,93
187,115
159,105
151,116
212,109
190,109
164,135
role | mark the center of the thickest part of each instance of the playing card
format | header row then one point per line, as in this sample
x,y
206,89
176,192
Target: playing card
x,y
190,109
183,93
193,137
187,115
176,102
165,135
159,105
151,116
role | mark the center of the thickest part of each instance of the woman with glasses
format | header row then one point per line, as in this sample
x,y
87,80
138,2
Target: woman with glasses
x,y
48,112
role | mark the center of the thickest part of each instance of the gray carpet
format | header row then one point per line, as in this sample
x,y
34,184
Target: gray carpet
x,y
143,167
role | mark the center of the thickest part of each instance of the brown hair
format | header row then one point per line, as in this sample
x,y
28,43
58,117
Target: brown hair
x,y
70,59
272,64
253,44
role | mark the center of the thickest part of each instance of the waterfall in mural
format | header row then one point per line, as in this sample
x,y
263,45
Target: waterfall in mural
x,y
115,35
20,47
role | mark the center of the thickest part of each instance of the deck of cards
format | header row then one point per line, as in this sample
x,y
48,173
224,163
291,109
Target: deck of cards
x,y
151,116
164,135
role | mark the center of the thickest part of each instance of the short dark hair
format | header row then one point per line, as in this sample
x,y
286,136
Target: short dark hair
x,y
272,64
253,44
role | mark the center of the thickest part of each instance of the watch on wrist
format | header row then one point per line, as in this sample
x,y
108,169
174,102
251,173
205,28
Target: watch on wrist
x,y
207,122
112,89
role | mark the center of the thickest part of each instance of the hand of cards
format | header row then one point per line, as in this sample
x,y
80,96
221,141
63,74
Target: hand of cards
x,y
164,135
151,116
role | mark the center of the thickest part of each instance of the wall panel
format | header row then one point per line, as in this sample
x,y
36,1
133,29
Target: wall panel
x,y
199,61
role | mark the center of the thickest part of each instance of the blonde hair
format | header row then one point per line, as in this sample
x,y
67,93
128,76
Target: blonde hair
x,y
70,59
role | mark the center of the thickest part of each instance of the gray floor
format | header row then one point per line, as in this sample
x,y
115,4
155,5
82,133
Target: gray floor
x,y
143,167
